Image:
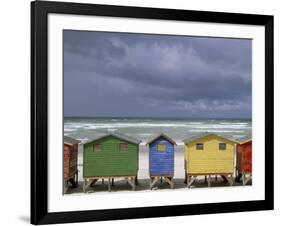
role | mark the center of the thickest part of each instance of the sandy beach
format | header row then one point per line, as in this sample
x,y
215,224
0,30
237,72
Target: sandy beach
x,y
143,176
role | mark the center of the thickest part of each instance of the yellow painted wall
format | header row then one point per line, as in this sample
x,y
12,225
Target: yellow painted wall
x,y
211,160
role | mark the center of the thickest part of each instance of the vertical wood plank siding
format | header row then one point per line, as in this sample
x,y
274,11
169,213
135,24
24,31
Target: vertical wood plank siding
x,y
210,160
161,162
244,157
110,161
70,154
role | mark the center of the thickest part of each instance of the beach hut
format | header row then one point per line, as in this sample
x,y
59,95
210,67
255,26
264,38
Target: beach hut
x,y
113,155
70,154
209,155
244,161
161,159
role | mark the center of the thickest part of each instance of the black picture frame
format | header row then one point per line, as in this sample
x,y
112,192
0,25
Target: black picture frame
x,y
39,112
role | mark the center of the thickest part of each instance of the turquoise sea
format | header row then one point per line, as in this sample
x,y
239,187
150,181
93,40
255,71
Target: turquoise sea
x,y
145,128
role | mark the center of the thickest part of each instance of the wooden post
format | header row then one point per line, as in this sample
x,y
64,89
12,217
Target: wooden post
x,y
65,188
76,179
169,181
216,178
231,180
185,178
209,180
136,180
161,181
102,181
109,184
133,184
153,182
84,185
205,179
248,179
192,179
112,182
131,181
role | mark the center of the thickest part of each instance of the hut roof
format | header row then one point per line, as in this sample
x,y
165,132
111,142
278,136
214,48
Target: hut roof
x,y
161,135
119,136
70,140
206,134
245,141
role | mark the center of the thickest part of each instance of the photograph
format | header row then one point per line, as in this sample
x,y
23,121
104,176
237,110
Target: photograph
x,y
140,112
152,112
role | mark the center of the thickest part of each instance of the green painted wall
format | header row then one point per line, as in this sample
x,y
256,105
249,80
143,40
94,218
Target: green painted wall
x,y
110,161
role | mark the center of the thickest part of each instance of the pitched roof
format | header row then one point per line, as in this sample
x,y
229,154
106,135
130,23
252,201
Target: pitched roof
x,y
245,141
206,134
70,140
161,135
119,136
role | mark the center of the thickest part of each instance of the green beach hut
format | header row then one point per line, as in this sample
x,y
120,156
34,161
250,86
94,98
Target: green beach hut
x,y
110,156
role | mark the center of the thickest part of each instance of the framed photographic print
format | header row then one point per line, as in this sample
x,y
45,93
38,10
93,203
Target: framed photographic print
x,y
144,112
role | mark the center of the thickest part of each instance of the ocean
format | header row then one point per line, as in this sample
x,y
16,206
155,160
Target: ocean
x,y
144,129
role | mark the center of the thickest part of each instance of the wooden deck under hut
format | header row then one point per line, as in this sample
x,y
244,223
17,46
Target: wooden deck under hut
x,y
111,156
209,155
161,159
244,161
70,158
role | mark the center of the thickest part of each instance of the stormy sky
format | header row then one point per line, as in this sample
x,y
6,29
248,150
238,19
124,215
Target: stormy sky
x,y
136,75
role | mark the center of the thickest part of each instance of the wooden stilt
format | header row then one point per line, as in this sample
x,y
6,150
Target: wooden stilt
x,y
102,181
216,178
209,180
230,180
131,181
192,179
205,179
248,179
76,178
238,177
84,185
109,185
136,180
169,181
224,178
112,182
243,178
93,182
161,180
185,178
65,187
153,182
88,183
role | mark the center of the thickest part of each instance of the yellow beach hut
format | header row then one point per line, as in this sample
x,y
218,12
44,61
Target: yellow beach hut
x,y
209,154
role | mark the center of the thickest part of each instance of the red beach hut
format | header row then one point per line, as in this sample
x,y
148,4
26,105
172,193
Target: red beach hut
x,y
70,156
244,161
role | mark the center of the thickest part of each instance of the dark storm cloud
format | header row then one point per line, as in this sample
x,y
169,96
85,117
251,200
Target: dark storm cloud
x,y
115,74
